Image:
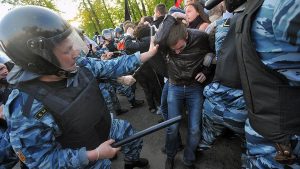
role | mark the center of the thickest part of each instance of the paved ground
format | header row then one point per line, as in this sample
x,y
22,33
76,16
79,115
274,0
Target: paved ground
x,y
224,155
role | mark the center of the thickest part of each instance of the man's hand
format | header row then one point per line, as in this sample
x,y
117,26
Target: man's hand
x,y
147,23
151,52
103,151
200,77
107,56
179,15
126,80
153,48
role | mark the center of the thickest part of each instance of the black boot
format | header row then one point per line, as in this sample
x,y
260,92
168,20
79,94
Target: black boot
x,y
142,162
136,103
169,163
121,111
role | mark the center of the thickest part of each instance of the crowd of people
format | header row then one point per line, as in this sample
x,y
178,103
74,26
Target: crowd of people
x,y
232,66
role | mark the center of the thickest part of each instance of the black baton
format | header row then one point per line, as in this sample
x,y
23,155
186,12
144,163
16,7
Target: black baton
x,y
147,131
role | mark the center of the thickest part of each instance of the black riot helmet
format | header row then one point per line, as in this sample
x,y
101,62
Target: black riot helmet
x,y
118,30
30,35
231,5
107,35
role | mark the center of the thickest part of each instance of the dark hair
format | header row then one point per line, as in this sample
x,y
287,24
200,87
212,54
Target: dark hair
x,y
161,8
125,23
147,19
200,9
129,25
141,31
177,32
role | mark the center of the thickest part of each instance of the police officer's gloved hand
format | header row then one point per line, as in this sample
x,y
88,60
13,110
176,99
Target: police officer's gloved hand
x,y
126,80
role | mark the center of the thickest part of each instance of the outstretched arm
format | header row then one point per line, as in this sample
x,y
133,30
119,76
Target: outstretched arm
x,y
117,67
151,52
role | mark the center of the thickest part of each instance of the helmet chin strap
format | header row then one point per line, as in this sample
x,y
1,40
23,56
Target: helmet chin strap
x,y
67,74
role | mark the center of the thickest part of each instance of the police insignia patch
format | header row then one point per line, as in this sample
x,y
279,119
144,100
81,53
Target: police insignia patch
x,y
227,23
21,156
40,113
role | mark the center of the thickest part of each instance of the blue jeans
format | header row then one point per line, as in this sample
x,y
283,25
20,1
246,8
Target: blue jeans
x,y
164,101
164,108
192,97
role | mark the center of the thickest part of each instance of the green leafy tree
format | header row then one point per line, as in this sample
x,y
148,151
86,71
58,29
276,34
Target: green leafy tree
x,y
111,15
90,15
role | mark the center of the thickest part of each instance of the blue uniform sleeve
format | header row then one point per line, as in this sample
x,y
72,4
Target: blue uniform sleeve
x,y
286,21
34,140
101,51
113,68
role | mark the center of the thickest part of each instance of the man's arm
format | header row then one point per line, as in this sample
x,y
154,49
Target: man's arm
x,y
117,67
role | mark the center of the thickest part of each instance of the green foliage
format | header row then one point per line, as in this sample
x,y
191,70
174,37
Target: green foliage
x,y
116,11
106,19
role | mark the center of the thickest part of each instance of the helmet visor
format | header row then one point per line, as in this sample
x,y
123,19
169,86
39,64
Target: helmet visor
x,y
107,35
60,50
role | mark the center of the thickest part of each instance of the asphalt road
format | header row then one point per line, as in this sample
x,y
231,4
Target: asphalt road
x,y
225,154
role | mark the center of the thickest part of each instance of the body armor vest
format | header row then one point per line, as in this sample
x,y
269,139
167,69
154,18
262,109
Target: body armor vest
x,y
80,112
227,71
184,67
273,105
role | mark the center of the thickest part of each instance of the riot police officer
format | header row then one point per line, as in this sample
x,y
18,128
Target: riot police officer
x,y
57,117
267,46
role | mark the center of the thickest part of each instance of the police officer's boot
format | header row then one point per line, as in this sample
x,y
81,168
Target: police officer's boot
x,y
169,163
142,162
